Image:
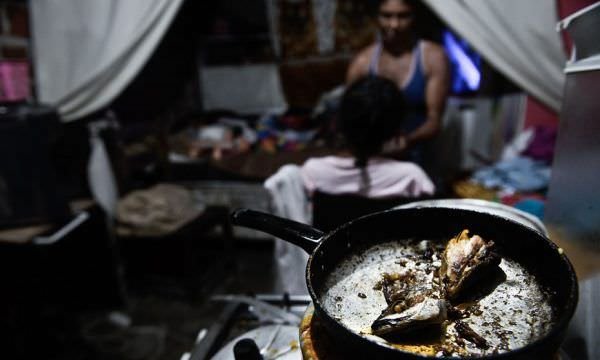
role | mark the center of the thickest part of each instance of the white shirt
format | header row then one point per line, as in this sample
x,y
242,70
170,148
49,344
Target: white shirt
x,y
386,177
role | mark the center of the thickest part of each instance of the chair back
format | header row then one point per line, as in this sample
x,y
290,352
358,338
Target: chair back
x,y
331,211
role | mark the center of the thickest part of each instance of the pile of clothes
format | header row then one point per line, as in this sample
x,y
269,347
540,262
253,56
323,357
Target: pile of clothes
x,y
158,211
521,178
286,132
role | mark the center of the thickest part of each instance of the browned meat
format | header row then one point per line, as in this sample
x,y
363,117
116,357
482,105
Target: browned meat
x,y
470,335
414,303
465,260
427,312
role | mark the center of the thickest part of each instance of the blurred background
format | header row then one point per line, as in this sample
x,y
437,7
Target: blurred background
x,y
130,129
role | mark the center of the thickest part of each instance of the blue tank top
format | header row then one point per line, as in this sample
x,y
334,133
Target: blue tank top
x,y
413,89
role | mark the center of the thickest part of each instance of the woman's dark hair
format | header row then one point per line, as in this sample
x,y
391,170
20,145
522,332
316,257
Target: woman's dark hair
x,y
427,25
409,2
371,113
375,4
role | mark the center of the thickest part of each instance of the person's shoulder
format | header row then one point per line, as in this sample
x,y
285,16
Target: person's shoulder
x,y
310,171
435,57
432,47
434,53
418,177
409,169
317,163
311,163
410,176
365,54
319,171
359,65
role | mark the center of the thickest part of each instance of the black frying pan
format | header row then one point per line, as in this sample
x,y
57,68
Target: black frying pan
x,y
530,249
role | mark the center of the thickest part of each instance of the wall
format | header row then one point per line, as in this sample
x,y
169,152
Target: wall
x,y
14,31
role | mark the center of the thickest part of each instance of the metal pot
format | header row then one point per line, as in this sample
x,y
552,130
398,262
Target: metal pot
x,y
530,249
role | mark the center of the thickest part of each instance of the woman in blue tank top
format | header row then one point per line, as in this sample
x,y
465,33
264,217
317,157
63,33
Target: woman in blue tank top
x,y
419,68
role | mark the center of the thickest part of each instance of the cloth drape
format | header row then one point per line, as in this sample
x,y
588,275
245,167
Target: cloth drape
x,y
517,37
289,201
85,52
103,184
324,13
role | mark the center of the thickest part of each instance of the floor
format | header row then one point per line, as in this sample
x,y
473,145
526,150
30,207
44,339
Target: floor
x,y
160,319
48,311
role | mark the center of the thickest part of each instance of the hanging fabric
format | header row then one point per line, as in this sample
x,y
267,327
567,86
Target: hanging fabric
x,y
517,37
87,51
324,13
101,178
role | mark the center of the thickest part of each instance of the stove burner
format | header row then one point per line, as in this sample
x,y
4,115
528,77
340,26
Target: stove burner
x,y
273,342
252,317
238,320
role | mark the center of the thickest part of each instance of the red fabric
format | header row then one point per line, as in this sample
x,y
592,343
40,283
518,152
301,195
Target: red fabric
x,y
568,7
511,200
541,147
538,114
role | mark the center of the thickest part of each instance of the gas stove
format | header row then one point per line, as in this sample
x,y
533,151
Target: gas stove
x,y
272,320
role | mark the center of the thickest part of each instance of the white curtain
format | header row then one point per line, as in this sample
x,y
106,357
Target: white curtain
x,y
87,51
518,37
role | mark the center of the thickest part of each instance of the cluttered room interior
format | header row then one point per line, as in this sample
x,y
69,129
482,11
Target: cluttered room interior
x,y
299,179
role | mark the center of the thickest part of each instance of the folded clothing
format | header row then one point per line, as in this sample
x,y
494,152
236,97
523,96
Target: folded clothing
x,y
518,174
158,211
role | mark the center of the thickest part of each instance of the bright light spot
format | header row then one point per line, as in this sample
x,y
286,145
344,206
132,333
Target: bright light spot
x,y
467,70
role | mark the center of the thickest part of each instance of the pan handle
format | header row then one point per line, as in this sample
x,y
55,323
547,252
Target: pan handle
x,y
299,234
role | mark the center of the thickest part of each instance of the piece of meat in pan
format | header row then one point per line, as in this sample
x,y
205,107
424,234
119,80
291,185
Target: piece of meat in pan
x,y
402,291
412,304
430,311
465,261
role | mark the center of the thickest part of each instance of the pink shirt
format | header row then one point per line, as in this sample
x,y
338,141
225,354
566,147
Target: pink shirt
x,y
386,177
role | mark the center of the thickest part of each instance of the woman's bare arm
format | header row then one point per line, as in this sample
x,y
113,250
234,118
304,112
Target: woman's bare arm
x,y
436,92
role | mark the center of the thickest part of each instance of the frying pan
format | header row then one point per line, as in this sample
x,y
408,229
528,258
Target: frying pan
x,y
523,245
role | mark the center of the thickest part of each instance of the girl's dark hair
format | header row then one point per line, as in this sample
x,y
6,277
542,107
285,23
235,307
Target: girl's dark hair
x,y
371,113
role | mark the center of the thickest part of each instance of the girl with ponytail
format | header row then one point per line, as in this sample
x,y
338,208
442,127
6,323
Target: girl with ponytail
x,y
368,120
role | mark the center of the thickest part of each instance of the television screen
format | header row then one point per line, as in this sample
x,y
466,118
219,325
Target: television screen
x,y
465,64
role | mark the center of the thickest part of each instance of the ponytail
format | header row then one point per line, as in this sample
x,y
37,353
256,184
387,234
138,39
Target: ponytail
x,y
365,180
361,162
